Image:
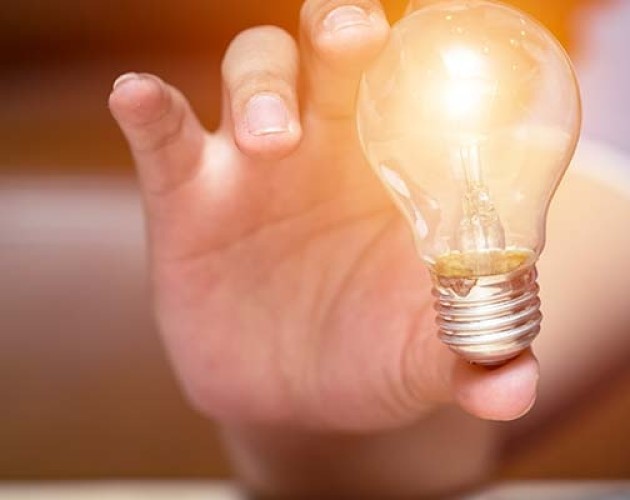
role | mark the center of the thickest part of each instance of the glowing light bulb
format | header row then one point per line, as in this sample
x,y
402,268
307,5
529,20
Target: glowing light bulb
x,y
470,116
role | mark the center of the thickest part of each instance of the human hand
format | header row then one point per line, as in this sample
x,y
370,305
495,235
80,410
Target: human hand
x,y
287,288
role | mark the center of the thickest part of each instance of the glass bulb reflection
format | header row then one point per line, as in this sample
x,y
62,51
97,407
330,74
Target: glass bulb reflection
x,y
470,116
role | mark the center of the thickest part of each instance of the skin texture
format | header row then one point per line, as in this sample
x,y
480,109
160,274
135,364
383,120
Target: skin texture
x,y
287,288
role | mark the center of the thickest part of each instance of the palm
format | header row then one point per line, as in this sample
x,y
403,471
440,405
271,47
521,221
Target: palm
x,y
303,298
289,290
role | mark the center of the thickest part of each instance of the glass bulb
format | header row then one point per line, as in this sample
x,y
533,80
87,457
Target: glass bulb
x,y
470,116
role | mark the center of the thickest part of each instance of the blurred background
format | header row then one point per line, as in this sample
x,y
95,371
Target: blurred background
x,y
85,389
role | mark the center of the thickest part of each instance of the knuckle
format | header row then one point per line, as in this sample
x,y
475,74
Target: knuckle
x,y
168,131
261,58
258,80
165,125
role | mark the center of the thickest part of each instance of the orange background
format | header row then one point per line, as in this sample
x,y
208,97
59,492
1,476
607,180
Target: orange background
x,y
58,61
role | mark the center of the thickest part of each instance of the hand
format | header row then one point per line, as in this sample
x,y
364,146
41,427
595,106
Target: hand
x,y
287,287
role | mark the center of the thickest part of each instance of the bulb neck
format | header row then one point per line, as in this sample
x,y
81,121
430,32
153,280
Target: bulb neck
x,y
488,320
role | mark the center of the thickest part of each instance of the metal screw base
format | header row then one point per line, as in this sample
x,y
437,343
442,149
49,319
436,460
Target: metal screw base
x,y
488,320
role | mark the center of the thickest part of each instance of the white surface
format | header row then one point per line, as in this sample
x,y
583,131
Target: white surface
x,y
213,490
121,490
556,490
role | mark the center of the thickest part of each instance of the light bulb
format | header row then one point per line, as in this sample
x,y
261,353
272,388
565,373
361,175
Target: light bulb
x,y
470,116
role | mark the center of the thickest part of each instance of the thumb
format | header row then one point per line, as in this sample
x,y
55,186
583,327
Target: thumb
x,y
499,393
504,393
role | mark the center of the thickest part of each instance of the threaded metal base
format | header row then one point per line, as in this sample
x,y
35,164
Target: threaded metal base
x,y
488,320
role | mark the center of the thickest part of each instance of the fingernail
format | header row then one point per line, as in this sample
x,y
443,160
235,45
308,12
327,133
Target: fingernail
x,y
344,17
533,400
266,114
527,409
122,79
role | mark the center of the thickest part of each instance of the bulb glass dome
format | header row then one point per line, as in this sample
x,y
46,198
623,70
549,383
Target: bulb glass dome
x,y
470,117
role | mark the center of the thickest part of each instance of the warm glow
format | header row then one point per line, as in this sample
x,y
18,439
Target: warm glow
x,y
463,63
468,87
464,98
451,116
